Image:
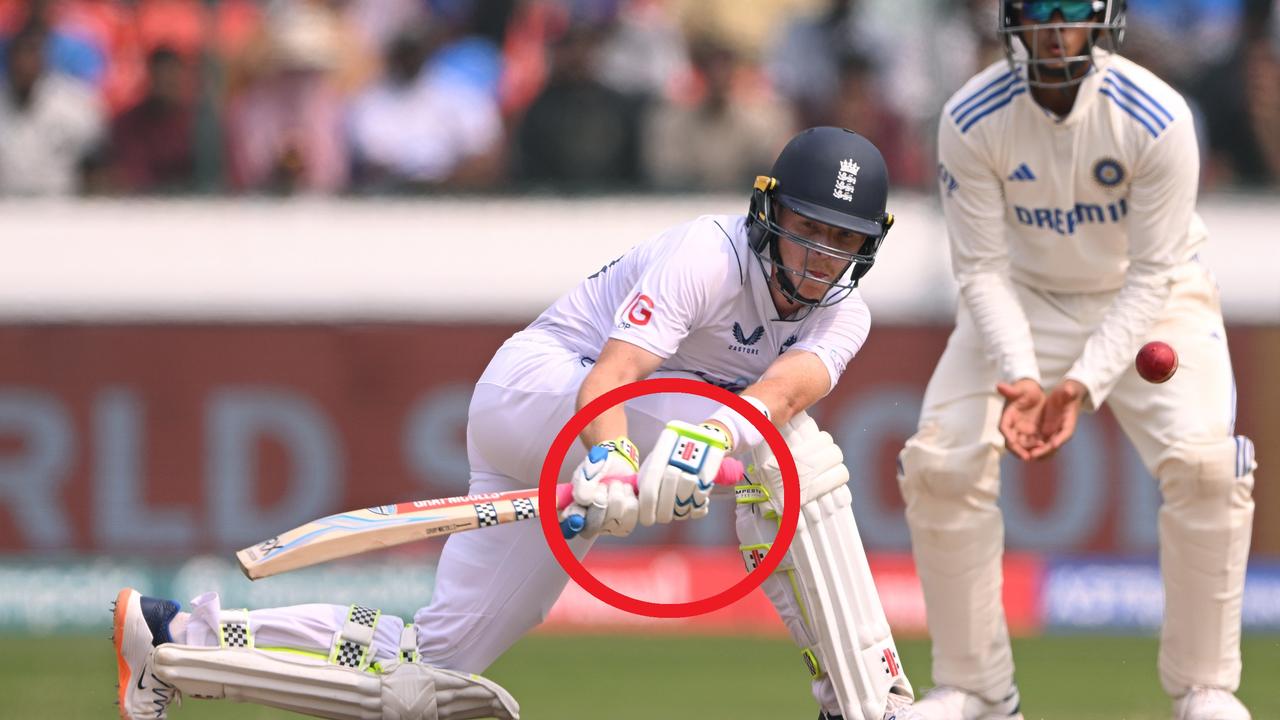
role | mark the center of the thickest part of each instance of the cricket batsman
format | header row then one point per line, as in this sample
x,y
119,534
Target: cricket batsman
x,y
765,305
1068,179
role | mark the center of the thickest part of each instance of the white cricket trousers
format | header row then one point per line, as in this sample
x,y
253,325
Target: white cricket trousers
x,y
1184,432
492,585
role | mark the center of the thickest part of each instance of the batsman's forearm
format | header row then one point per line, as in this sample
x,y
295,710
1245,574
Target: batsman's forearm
x,y
793,383
610,424
782,406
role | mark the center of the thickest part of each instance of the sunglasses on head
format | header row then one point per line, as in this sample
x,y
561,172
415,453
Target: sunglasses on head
x,y
1039,11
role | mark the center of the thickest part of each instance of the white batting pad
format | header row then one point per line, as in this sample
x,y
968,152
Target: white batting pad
x,y
853,635
300,684
819,462
842,619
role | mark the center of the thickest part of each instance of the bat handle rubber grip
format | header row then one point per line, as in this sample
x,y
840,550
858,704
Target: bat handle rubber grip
x,y
731,471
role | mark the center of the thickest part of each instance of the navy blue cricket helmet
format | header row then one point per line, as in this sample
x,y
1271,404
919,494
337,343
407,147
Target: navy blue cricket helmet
x,y
832,176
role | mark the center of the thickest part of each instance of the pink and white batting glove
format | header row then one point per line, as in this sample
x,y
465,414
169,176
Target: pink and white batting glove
x,y
675,481
604,508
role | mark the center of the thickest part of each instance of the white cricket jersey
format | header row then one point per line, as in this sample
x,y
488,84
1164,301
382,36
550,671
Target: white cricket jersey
x,y
1100,200
698,297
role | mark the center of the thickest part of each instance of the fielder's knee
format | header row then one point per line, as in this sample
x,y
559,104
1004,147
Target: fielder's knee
x,y
929,473
1216,471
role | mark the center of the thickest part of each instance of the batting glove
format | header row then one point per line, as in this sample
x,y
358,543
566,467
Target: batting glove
x,y
675,481
604,508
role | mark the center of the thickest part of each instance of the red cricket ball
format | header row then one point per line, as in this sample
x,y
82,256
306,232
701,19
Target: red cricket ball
x,y
1156,362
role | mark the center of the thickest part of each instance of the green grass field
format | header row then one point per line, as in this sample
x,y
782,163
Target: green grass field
x,y
607,678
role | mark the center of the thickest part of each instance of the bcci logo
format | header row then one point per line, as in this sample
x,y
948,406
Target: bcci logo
x,y
846,181
1108,172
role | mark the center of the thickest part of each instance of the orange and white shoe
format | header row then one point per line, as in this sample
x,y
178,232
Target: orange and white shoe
x,y
141,623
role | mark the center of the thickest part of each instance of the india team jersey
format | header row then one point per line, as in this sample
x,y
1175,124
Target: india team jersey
x,y
1101,200
697,297
1073,201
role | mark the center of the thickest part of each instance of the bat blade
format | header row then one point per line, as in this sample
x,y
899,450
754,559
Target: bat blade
x,y
359,531
383,526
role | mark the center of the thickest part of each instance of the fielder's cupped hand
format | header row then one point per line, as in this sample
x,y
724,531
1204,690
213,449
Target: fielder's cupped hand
x,y
1058,420
1020,419
607,508
676,479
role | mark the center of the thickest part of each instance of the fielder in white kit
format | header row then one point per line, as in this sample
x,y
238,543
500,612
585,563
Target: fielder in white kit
x,y
765,305
1069,178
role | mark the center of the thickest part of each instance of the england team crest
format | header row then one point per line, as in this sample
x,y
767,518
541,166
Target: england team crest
x,y
846,180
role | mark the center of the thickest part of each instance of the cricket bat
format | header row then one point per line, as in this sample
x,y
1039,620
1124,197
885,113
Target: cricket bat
x,y
360,531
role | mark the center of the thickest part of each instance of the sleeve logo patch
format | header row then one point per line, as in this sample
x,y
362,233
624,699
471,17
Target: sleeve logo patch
x,y
947,181
640,311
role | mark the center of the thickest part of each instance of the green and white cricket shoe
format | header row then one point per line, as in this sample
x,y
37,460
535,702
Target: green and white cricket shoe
x,y
898,704
892,711
951,703
1206,703
140,624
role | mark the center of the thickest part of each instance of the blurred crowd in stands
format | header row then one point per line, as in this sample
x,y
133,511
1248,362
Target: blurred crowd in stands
x,y
112,97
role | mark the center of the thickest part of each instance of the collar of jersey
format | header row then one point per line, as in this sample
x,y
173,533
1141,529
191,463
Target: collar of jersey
x,y
1085,98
